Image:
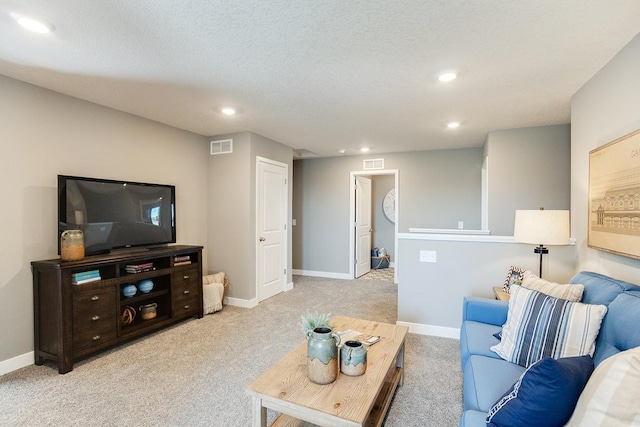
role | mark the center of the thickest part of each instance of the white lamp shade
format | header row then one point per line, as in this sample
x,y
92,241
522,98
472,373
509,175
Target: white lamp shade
x,y
542,227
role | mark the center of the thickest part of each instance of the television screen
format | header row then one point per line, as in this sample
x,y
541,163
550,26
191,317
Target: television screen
x,y
116,214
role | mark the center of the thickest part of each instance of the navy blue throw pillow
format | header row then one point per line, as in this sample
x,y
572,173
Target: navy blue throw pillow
x,y
545,395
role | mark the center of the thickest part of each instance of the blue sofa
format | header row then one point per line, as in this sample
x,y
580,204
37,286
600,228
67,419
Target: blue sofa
x,y
487,377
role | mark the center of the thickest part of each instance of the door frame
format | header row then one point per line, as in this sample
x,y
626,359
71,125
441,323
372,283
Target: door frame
x,y
285,244
352,216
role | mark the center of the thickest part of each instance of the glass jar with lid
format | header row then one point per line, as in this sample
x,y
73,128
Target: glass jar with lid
x,y
72,245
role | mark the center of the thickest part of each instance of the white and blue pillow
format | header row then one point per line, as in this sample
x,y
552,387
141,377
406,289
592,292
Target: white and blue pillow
x,y
540,325
545,395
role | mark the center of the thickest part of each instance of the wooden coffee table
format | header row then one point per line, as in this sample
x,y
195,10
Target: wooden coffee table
x,y
349,401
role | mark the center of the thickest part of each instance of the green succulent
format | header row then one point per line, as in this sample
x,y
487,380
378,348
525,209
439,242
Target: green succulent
x,y
310,321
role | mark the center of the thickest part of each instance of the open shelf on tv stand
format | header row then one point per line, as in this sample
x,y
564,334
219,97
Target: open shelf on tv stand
x,y
74,321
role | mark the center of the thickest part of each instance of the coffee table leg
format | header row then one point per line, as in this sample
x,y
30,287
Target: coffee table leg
x,y
400,364
259,413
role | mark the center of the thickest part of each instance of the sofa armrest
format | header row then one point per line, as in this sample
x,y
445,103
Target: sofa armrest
x,y
485,310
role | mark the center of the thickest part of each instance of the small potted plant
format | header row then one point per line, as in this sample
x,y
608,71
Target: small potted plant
x,y
309,321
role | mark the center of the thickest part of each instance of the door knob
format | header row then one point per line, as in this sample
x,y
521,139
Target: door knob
x,y
262,239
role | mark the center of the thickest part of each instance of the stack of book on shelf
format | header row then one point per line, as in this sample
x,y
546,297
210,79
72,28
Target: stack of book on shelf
x,y
181,260
140,268
85,277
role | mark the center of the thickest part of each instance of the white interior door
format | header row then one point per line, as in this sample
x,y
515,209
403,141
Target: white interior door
x,y
271,230
363,225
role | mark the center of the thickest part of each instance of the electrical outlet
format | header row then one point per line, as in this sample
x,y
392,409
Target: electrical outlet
x,y
460,225
428,256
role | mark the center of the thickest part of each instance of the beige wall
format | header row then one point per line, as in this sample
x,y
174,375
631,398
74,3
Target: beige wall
x,y
43,134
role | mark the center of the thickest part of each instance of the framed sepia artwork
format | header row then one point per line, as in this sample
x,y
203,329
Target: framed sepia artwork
x,y
614,196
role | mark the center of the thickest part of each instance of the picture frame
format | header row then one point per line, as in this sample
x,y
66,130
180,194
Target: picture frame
x,y
514,277
614,197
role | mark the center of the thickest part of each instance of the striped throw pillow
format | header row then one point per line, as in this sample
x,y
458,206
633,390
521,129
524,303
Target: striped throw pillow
x,y
539,325
570,292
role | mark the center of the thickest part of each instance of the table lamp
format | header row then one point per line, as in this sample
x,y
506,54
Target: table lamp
x,y
542,227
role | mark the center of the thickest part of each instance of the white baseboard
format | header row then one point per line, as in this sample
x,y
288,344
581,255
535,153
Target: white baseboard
x,y
242,303
16,363
325,274
250,303
436,331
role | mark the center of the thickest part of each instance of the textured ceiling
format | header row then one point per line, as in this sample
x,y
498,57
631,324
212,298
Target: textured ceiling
x,y
324,75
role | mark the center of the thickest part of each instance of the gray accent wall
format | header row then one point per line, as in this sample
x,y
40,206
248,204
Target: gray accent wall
x,y
383,235
529,168
604,109
43,134
229,219
232,209
436,189
431,293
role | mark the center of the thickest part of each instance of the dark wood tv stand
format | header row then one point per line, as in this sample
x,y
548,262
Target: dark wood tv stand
x,y
73,321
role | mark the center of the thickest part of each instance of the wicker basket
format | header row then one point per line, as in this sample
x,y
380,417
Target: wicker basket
x,y
224,292
225,285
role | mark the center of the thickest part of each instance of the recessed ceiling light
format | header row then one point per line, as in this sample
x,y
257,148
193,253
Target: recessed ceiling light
x,y
32,24
228,111
365,149
342,151
447,77
453,125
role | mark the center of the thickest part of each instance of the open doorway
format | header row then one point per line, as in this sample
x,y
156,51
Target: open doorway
x,y
383,225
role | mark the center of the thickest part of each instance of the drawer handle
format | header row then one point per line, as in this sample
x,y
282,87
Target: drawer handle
x,y
95,298
96,317
186,292
96,337
186,276
187,307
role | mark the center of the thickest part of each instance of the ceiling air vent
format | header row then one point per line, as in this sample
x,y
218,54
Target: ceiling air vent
x,y
373,164
223,146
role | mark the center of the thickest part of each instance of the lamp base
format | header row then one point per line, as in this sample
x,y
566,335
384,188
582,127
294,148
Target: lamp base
x,y
541,250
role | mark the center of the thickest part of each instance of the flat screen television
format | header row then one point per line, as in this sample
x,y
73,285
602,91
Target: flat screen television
x,y
116,214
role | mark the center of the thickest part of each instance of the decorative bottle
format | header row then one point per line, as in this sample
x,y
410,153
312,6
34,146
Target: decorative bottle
x,y
322,355
353,358
71,245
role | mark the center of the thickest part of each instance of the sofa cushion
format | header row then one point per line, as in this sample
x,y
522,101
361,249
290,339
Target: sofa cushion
x,y
485,379
545,394
477,338
600,289
571,292
611,396
539,325
616,333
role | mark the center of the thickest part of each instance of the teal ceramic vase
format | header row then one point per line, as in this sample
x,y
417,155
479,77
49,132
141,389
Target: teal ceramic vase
x,y
322,355
353,358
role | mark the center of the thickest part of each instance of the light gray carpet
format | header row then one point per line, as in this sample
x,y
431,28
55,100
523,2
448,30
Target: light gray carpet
x,y
195,373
